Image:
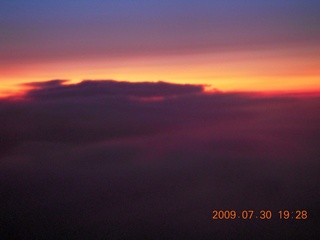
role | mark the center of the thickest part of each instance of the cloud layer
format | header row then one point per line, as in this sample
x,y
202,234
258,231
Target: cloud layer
x,y
115,160
107,88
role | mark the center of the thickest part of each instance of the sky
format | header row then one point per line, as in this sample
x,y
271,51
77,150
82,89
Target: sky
x,y
230,45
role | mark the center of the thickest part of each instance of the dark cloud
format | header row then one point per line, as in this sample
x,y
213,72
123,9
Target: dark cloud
x,y
55,89
90,161
45,84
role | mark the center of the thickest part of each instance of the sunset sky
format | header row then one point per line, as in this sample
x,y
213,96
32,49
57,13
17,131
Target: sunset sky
x,y
251,45
136,119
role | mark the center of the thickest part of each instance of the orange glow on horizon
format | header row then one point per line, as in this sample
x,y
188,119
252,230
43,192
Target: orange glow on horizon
x,y
255,71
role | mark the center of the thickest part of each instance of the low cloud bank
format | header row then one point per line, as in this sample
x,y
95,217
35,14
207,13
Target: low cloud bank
x,y
56,89
91,160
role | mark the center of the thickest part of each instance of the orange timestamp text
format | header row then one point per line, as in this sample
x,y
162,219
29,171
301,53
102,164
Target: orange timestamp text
x,y
260,214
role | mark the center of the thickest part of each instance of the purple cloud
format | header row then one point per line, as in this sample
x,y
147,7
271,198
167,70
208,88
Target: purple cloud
x,y
107,88
89,161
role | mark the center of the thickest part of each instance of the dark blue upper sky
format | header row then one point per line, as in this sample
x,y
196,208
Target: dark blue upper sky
x,y
109,26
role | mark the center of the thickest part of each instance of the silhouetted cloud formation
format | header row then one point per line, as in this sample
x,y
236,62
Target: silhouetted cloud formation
x,y
55,89
104,159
